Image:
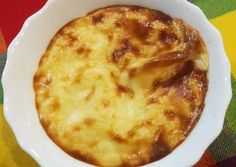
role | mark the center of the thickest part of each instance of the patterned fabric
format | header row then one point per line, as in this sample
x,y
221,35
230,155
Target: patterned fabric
x,y
222,13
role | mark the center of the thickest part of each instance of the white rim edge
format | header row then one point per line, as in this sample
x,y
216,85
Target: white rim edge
x,y
4,80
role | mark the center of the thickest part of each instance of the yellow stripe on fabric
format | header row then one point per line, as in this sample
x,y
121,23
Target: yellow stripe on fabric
x,y
3,46
11,155
227,26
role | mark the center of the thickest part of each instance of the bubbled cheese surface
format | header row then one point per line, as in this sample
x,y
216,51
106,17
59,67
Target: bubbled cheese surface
x,y
121,86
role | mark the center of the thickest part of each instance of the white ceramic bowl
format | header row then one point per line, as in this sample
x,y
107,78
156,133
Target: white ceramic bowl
x,y
27,48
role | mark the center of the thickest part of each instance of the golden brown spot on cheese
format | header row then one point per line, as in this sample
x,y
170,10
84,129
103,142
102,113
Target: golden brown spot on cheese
x,y
114,77
132,72
135,29
106,102
79,74
118,53
42,60
110,37
98,18
168,37
38,105
162,17
38,76
126,84
131,133
45,123
42,80
159,148
48,80
55,104
123,89
46,94
71,38
89,121
76,128
83,50
78,77
116,137
184,123
152,100
126,46
170,114
91,93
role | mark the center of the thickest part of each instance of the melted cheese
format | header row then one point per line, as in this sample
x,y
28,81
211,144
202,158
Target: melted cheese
x,y
122,86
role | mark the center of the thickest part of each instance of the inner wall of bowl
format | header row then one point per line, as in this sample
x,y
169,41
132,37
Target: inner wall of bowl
x,y
34,41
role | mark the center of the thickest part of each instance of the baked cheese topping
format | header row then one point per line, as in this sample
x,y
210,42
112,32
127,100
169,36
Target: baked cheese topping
x,y
122,86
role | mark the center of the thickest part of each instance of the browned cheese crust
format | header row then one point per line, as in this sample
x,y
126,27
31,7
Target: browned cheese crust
x,y
122,86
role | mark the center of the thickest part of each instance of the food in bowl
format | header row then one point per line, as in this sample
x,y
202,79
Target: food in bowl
x,y
122,86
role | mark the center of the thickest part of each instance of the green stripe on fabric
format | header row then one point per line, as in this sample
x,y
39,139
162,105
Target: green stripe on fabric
x,y
1,93
3,59
214,8
224,146
231,112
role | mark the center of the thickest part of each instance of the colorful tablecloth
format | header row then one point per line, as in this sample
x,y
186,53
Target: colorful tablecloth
x,y
221,13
